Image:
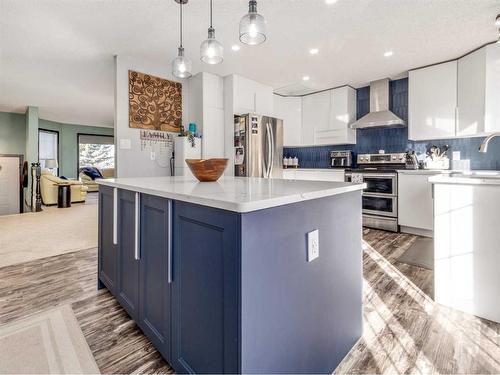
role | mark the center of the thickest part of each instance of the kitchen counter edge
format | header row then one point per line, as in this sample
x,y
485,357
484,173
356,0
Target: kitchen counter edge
x,y
232,204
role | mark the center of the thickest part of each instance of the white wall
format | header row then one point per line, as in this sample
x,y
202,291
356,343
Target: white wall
x,y
134,162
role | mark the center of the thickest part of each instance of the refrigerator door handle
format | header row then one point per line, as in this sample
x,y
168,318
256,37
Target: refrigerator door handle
x,y
272,147
269,148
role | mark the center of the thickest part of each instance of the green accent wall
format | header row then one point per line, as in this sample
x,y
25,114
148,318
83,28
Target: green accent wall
x,y
68,147
12,133
13,137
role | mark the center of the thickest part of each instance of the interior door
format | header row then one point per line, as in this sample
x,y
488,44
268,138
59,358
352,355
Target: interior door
x,y
9,185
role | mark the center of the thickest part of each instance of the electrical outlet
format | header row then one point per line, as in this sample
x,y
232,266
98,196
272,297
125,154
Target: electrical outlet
x,y
153,155
312,245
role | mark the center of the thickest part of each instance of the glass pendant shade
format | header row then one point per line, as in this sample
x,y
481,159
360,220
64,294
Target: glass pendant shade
x,y
212,52
181,66
253,26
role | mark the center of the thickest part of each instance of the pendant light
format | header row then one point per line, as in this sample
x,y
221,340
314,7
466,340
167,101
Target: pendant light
x,y
181,66
212,52
252,26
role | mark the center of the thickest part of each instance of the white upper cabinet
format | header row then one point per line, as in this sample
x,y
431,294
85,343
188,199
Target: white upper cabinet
x,y
479,92
316,114
264,103
432,102
342,114
252,97
492,96
326,117
471,93
289,109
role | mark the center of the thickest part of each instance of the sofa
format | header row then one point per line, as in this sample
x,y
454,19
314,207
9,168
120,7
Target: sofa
x,y
90,183
48,188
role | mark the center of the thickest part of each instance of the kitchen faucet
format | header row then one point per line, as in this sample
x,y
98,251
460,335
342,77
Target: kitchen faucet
x,y
484,146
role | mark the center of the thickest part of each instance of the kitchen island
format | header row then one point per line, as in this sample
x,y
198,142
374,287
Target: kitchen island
x,y
227,277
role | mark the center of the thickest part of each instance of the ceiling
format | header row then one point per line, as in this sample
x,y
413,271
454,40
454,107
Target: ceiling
x,y
58,54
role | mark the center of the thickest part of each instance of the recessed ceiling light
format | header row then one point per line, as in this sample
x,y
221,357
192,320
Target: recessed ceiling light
x,y
330,1
314,51
235,47
497,21
388,54
306,78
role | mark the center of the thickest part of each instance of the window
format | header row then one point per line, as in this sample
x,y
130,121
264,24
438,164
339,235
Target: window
x,y
48,150
96,151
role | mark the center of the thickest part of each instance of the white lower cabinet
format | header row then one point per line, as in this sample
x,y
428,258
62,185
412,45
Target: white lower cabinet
x,y
466,254
333,175
415,205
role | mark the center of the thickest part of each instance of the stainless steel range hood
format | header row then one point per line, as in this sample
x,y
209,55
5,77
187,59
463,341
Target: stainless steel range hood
x,y
380,116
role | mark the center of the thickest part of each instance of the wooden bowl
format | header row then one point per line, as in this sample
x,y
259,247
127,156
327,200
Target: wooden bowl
x,y
207,170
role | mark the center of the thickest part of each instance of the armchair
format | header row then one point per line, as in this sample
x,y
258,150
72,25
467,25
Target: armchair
x,y
48,188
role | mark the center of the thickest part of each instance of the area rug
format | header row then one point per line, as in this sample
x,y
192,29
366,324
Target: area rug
x,y
47,343
420,254
54,231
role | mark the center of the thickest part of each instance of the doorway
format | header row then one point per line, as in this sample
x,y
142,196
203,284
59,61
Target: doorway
x,y
10,184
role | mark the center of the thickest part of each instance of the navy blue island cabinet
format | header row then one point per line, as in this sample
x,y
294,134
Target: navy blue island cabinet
x,y
218,291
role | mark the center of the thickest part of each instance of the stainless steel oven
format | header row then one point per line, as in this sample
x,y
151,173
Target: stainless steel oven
x,y
381,183
380,197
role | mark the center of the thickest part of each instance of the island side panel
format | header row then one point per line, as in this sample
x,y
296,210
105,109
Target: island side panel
x,y
107,251
205,290
300,316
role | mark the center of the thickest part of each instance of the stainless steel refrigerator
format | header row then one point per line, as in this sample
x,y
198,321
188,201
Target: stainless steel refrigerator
x,y
258,143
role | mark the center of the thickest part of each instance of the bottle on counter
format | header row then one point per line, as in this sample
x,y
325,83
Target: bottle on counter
x,y
295,162
285,162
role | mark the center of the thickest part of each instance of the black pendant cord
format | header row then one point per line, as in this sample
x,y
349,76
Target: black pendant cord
x,y
181,23
211,7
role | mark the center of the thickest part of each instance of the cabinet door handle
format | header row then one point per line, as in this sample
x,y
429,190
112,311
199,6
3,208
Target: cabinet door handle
x,y
137,226
169,242
115,216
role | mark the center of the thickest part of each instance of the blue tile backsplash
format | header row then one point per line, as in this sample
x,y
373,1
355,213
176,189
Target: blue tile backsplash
x,y
396,139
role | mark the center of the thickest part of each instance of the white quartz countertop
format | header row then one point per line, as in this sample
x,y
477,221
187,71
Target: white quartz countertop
x,y
424,171
316,169
238,194
468,178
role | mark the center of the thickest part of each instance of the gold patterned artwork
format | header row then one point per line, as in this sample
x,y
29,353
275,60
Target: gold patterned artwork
x,y
154,103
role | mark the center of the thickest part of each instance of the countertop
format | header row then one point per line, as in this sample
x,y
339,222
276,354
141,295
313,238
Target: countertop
x,y
316,169
238,194
491,178
425,171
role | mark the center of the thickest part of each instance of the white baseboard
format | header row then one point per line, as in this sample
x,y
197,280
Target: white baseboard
x,y
417,231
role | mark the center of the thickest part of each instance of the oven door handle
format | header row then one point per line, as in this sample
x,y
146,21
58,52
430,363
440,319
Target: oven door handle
x,y
386,176
379,195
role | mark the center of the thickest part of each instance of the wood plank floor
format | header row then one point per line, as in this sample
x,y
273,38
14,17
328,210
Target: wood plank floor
x,y
404,331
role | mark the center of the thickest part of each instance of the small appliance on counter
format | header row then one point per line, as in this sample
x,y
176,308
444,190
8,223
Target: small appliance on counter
x,y
411,160
341,159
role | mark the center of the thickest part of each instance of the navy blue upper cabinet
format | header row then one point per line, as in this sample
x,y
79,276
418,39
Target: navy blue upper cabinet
x,y
107,257
154,268
205,290
128,265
